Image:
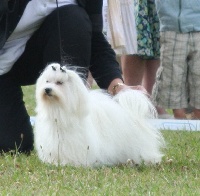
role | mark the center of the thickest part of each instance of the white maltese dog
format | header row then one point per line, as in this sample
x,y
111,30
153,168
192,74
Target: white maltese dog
x,y
82,127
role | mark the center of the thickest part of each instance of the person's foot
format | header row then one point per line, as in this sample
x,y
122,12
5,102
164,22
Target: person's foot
x,y
190,116
179,113
163,114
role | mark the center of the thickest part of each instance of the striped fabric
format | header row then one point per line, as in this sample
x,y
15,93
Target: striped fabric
x,y
178,78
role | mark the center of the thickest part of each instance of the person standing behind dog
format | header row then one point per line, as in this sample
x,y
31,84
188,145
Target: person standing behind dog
x,y
139,67
32,35
178,77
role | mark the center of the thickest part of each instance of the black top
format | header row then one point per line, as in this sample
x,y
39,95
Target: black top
x,y
104,66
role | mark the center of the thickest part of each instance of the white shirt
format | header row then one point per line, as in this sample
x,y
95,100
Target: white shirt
x,y
33,16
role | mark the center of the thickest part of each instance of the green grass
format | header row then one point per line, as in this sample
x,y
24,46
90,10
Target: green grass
x,y
178,174
29,99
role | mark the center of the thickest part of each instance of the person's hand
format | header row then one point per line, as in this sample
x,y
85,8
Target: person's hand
x,y
117,85
138,87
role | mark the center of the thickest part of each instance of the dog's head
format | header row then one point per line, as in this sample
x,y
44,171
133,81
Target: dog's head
x,y
61,88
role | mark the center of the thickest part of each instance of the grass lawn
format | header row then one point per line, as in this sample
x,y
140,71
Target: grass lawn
x,y
178,174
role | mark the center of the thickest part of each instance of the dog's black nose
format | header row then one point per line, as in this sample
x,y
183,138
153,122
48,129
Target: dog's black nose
x,y
48,91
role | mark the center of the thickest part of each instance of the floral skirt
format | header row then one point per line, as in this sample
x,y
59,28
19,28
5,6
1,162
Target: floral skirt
x,y
147,24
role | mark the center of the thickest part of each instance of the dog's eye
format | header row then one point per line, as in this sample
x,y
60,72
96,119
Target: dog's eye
x,y
59,83
47,81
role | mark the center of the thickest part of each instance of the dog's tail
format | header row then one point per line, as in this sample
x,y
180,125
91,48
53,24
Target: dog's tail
x,y
137,104
141,110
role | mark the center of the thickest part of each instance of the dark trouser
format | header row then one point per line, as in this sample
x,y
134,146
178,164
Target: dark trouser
x,y
41,49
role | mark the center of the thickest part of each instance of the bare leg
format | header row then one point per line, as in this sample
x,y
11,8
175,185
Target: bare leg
x,y
149,79
137,71
179,113
150,74
196,113
133,69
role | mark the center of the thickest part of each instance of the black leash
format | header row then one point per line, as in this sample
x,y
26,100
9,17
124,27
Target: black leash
x,y
59,34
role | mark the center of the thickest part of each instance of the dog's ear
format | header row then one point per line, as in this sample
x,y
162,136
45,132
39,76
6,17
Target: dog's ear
x,y
82,105
62,69
54,69
78,94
